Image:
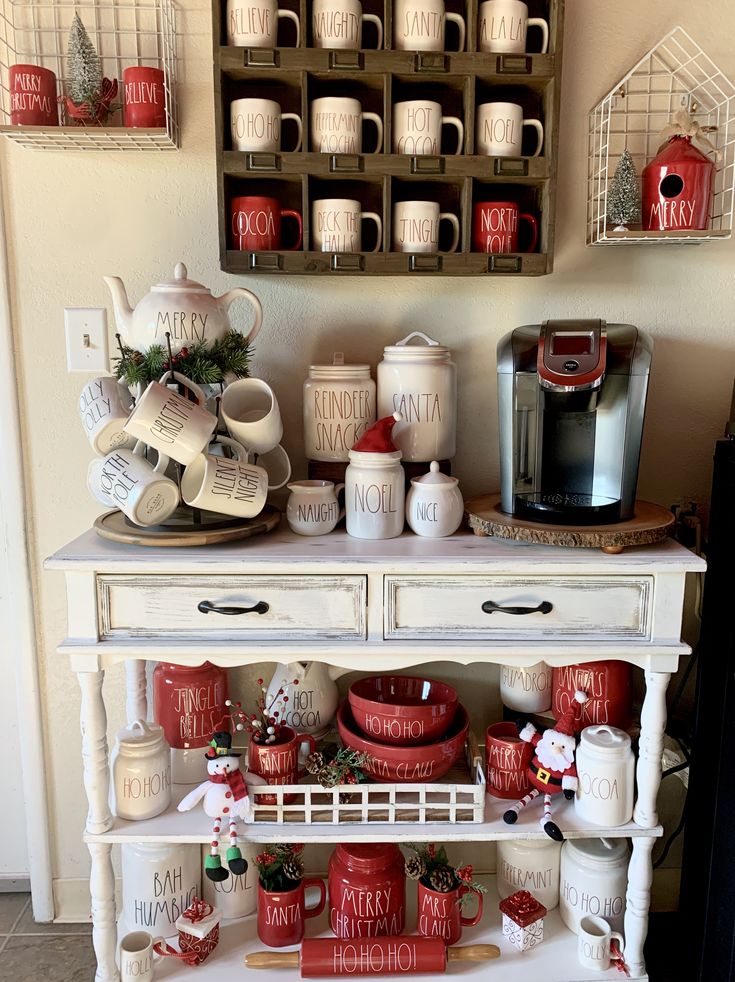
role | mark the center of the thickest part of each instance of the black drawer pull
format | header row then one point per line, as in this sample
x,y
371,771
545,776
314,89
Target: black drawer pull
x,y
490,607
207,607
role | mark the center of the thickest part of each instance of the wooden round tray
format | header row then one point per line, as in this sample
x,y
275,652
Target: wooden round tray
x,y
214,529
651,523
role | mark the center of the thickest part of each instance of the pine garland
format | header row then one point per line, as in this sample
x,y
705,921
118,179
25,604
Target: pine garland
x,y
203,363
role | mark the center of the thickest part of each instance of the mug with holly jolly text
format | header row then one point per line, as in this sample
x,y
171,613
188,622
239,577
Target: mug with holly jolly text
x,y
420,25
502,27
336,125
495,227
499,130
255,125
416,226
339,23
336,225
254,23
417,128
256,224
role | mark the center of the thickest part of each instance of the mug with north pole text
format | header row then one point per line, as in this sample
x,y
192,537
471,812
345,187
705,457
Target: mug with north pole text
x,y
502,26
417,128
124,479
336,125
336,225
254,23
420,25
257,221
255,125
416,227
499,130
495,227
338,24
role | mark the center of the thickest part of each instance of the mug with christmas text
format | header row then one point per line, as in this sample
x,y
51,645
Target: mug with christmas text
x,y
417,128
254,23
336,125
32,96
502,27
338,24
124,479
256,224
420,25
255,125
416,227
336,225
495,227
145,97
507,758
499,130
104,407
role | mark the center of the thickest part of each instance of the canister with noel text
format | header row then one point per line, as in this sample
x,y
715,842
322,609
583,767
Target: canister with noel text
x,y
606,775
594,878
608,685
375,488
526,690
367,890
339,405
141,771
528,864
159,882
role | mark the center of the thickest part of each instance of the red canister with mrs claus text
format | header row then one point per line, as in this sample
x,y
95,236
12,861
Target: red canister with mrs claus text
x,y
367,890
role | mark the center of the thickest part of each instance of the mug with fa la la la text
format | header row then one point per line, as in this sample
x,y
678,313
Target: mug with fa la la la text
x,y
502,26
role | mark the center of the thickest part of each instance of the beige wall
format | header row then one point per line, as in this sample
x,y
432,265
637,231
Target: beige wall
x,y
74,217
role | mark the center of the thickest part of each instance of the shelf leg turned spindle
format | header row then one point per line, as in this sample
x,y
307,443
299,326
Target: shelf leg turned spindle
x,y
136,696
104,927
651,747
637,901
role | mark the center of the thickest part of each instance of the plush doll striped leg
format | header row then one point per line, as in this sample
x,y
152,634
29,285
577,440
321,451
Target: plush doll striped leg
x,y
235,860
213,864
511,816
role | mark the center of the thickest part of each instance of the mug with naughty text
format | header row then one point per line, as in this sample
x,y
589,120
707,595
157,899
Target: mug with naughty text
x,y
104,407
499,130
416,227
256,223
495,227
502,27
254,23
339,23
417,128
255,125
137,956
336,125
124,479
420,25
594,944
336,225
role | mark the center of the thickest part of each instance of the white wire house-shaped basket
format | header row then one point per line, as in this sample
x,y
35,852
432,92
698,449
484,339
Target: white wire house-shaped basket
x,y
675,74
125,33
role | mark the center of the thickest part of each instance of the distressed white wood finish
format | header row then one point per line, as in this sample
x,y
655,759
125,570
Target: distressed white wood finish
x,y
104,927
93,722
136,690
651,747
637,902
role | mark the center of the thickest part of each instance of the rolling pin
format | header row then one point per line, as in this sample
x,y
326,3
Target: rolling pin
x,y
397,955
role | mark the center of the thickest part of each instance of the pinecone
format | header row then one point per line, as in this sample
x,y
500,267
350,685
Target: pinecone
x,y
442,879
415,867
293,868
328,777
315,762
345,797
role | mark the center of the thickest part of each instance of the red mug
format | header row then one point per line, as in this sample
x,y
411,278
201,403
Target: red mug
x,y
508,758
495,227
144,97
440,916
278,763
256,224
281,914
33,99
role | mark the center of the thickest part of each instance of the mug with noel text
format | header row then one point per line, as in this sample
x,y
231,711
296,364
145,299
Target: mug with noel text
x,y
338,24
144,97
499,130
495,227
416,227
417,128
256,223
336,125
502,26
255,125
420,25
254,23
336,225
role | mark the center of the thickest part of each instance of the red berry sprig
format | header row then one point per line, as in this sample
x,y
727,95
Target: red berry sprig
x,y
266,723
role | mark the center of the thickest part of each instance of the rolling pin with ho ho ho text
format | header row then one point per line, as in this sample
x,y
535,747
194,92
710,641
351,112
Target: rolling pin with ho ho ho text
x,y
397,955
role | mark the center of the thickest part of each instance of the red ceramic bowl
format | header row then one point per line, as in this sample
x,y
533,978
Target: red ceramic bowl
x,y
406,764
402,710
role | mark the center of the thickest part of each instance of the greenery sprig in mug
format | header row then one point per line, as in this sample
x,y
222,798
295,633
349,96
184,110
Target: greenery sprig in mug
x,y
280,866
266,723
430,866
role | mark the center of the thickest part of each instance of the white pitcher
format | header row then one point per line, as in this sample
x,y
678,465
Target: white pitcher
x,y
311,688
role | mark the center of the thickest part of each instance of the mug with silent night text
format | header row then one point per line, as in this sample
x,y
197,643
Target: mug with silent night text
x,y
499,130
336,225
227,485
416,227
339,24
502,26
495,227
255,125
254,23
420,25
257,221
417,128
336,125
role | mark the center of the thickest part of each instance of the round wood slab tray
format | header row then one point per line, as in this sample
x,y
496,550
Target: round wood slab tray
x,y
651,523
113,525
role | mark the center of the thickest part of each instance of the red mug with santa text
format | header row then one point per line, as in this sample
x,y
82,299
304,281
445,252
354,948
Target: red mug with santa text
x,y
495,227
256,223
440,914
144,97
278,763
32,96
281,913
508,758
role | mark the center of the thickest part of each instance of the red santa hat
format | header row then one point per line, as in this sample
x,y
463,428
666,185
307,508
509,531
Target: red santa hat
x,y
568,722
378,439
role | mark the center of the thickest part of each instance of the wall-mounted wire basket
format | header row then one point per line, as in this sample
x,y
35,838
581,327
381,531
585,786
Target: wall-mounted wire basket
x,y
124,32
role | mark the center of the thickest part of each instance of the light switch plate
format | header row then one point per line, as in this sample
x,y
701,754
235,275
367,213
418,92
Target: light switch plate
x,y
87,347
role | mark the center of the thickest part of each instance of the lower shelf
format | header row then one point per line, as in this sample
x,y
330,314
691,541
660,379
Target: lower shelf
x,y
384,263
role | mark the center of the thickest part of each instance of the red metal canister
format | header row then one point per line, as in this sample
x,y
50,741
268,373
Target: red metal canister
x,y
367,890
608,685
677,188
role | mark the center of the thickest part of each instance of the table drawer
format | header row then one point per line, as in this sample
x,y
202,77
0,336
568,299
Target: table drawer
x,y
294,607
459,608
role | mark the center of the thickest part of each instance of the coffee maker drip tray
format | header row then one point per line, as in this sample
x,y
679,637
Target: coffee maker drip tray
x,y
567,508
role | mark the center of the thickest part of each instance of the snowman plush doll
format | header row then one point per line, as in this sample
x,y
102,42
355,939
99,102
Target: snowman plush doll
x,y
225,795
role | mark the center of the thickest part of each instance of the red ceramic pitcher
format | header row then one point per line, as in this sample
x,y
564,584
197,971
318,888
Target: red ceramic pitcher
x,y
367,890
508,758
281,914
440,914
278,762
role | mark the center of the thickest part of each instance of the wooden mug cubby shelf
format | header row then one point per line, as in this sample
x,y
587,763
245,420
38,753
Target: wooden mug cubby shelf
x,y
459,81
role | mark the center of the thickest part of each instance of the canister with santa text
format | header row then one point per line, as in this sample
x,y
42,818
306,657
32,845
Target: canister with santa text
x,y
420,382
141,771
528,864
606,775
339,405
375,487
159,882
594,878
526,690
367,890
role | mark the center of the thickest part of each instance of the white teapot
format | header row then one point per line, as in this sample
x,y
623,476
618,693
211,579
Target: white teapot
x,y
183,307
311,688
434,505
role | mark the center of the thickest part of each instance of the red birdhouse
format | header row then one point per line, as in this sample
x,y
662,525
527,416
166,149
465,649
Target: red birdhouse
x,y
677,188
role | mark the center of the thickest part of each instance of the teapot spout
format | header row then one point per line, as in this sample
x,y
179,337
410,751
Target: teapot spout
x,y
121,306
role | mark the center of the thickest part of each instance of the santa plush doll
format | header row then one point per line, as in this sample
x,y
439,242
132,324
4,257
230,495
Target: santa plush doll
x,y
552,770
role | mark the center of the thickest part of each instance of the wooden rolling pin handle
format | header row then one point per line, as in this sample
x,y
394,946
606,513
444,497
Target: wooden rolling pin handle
x,y
473,953
272,959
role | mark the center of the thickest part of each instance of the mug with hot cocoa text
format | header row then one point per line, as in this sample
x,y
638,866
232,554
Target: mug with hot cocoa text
x,y
145,97
502,26
499,130
336,125
336,225
416,227
32,96
417,128
339,23
254,23
495,227
256,224
420,25
255,125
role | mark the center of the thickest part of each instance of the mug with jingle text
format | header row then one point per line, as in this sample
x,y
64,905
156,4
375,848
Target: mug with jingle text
x,y
594,938
144,97
336,125
502,26
124,479
256,223
338,24
336,225
255,125
136,956
254,23
417,128
416,227
495,227
420,25
104,407
499,130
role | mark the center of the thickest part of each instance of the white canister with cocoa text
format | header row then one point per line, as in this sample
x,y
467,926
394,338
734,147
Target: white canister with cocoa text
x,y
420,382
375,495
159,881
141,771
594,878
339,405
606,775
528,864
526,690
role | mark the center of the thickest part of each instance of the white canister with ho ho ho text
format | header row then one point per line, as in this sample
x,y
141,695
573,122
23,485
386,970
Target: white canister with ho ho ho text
x,y
339,405
159,881
528,864
141,771
606,773
526,690
594,879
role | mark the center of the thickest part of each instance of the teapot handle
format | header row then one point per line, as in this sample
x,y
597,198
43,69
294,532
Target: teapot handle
x,y
417,334
240,291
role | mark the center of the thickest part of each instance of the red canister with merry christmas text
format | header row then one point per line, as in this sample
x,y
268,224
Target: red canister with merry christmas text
x,y
608,685
367,890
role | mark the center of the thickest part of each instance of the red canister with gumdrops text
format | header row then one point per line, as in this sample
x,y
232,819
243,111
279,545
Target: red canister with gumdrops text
x,y
367,890
608,685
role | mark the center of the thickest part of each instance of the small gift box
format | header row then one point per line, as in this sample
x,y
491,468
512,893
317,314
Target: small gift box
x,y
523,920
198,929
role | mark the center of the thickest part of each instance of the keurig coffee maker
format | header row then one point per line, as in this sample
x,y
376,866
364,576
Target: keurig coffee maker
x,y
572,396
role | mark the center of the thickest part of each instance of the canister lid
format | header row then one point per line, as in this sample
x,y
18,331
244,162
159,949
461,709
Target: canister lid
x,y
357,372
430,350
435,479
368,857
140,734
606,739
600,852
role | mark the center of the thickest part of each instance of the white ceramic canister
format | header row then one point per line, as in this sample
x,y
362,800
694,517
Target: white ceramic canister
x,y
141,771
375,495
311,688
606,773
237,896
594,878
420,381
434,505
339,405
159,881
528,864
526,690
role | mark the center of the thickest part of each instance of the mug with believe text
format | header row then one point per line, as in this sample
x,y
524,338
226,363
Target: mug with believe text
x,y
336,125
416,226
499,130
339,23
32,91
502,27
417,128
256,222
255,125
254,23
336,225
495,227
420,25
144,97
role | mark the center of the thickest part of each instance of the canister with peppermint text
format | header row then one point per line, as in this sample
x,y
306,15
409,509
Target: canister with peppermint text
x,y
606,774
141,771
594,878
528,864
339,405
367,890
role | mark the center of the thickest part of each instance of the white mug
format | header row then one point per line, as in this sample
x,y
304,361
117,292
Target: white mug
x,y
224,485
277,465
170,423
124,479
417,128
502,26
255,125
336,125
254,23
416,226
420,25
336,225
313,508
499,130
104,407
136,956
593,944
338,24
251,413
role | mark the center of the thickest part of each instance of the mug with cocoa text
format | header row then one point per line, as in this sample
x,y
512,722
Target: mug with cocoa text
x,y
502,27
417,128
420,25
254,23
281,913
338,24
104,407
124,479
416,227
32,96
256,224
336,125
499,130
495,227
336,225
144,97
255,125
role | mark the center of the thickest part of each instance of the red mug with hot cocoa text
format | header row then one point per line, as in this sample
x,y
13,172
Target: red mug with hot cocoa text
x,y
256,222
495,227
281,914
440,914
508,758
32,96
144,97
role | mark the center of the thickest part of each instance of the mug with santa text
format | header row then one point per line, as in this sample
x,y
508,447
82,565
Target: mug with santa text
x,y
278,763
281,913
254,23
256,223
144,97
495,227
499,130
255,125
420,25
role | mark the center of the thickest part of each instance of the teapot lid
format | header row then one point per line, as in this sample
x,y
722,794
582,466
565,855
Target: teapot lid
x,y
180,282
434,478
